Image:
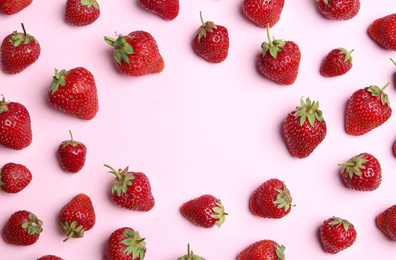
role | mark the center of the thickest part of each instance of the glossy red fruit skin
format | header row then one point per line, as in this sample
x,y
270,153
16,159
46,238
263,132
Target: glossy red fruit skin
x,y
167,9
263,249
263,12
72,156
80,15
386,222
14,177
339,9
50,257
116,249
10,7
334,238
383,31
13,232
214,46
334,64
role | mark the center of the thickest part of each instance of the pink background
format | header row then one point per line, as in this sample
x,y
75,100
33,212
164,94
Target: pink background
x,y
200,128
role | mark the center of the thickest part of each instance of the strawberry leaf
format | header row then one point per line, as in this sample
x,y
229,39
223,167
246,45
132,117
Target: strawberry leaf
x,y
135,244
283,198
308,110
353,166
121,48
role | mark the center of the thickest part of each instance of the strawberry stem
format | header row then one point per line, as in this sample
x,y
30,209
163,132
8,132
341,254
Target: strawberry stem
x,y
387,84
200,15
393,61
23,28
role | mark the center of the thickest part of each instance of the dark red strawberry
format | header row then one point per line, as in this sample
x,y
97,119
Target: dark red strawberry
x,y
263,249
167,9
13,6
19,51
263,12
339,9
77,216
131,190
204,211
367,109
386,222
81,12
23,228
72,155
337,234
125,244
190,255
50,257
383,31
211,41
14,177
15,125
137,54
336,63
74,92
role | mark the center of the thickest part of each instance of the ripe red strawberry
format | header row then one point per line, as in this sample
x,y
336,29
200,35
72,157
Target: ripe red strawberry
x,y
339,9
279,60
190,255
204,211
263,12
15,126
131,190
362,172
50,257
367,109
19,51
137,54
336,63
337,234
23,228
81,12
167,9
263,249
77,216
74,92
72,155
13,6
383,31
386,222
211,41
125,244
14,177
271,199
304,129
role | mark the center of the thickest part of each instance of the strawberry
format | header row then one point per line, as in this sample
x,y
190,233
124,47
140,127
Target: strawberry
x,y
204,211
383,31
190,255
336,63
386,222
271,199
167,9
279,60
15,125
19,51
339,9
14,177
125,244
71,155
211,41
263,12
263,249
74,92
136,54
337,234
77,216
50,257
367,109
362,172
81,12
23,228
13,6
304,129
131,190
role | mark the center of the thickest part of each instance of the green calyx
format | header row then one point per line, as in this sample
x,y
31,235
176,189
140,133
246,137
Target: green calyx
x,y
308,110
354,166
205,28
339,221
376,91
70,142
58,79
190,255
21,38
280,252
348,56
121,48
3,105
219,213
135,244
71,230
283,198
122,181
34,225
273,46
90,3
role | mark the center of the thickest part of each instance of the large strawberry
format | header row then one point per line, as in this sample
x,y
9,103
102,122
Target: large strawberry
x,y
337,234
131,190
339,9
74,92
304,129
50,257
383,31
77,216
13,6
125,244
336,63
263,249
190,255
211,41
136,54
14,177
19,51
386,222
81,12
23,228
263,12
279,60
15,125
167,9
367,109
72,155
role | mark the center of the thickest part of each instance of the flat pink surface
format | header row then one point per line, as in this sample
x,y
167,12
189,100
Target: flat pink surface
x,y
200,128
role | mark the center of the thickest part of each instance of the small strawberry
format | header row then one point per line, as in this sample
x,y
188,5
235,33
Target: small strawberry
x,y
125,244
263,12
204,211
383,31
19,51
362,172
77,216
337,234
339,9
131,190
304,129
50,257
72,155
81,12
137,54
336,63
211,41
23,228
367,109
15,125
74,92
263,249
167,9
190,255
279,60
386,222
14,177
13,6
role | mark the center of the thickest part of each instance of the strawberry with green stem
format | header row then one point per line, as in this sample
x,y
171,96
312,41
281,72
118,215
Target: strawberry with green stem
x,y
336,63
190,255
337,234
264,249
72,155
339,9
81,12
125,244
